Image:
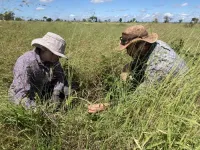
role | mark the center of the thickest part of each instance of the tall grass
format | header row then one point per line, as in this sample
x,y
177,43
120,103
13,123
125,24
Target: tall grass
x,y
161,117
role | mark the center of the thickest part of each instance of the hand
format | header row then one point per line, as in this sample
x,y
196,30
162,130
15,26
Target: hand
x,y
94,108
124,76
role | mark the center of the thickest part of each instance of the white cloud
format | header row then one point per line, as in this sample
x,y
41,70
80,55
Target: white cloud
x,y
146,16
183,14
99,1
40,8
126,15
168,14
184,4
72,15
46,1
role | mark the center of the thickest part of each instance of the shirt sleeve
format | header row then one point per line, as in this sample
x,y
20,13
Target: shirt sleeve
x,y
21,86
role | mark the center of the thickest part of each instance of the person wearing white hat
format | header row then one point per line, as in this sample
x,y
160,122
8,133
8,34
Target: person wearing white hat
x,y
39,71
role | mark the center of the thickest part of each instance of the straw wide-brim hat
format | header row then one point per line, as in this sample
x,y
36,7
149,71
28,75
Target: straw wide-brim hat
x,y
53,42
137,33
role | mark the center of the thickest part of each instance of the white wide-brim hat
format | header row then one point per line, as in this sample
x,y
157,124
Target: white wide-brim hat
x,y
53,42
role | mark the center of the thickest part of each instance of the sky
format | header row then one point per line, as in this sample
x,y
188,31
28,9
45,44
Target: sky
x,y
142,10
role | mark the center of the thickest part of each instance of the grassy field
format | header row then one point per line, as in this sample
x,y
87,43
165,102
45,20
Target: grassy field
x,y
162,117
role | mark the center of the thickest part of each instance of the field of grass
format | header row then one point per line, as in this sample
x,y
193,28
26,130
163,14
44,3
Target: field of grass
x,y
162,117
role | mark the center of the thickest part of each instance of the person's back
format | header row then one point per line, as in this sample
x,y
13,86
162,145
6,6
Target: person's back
x,y
162,62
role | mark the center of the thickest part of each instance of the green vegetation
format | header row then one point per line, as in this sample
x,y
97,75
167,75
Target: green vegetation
x,y
162,117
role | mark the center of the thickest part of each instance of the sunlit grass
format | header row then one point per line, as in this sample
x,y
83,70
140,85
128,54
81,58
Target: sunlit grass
x,y
161,117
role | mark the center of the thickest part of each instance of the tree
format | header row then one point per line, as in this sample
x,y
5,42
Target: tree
x,y
134,20
58,19
45,18
120,19
180,21
49,19
195,20
155,20
9,15
167,19
93,18
30,19
1,17
84,20
18,19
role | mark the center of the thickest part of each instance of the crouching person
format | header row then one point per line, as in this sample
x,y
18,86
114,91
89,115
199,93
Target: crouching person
x,y
39,72
153,60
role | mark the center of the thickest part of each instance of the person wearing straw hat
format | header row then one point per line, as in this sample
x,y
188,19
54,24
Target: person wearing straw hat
x,y
39,72
153,60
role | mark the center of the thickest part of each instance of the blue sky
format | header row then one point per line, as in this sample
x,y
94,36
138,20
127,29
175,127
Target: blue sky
x,y
145,10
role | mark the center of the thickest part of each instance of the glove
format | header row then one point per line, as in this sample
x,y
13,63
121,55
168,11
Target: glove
x,y
94,108
124,76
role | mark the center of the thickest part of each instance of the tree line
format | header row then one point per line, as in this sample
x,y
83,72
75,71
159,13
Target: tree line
x,y
9,15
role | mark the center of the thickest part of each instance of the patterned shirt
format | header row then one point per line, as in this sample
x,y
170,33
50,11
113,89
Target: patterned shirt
x,y
157,64
31,75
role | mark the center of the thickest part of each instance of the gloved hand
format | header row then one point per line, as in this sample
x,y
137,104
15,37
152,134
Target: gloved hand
x,y
124,76
94,108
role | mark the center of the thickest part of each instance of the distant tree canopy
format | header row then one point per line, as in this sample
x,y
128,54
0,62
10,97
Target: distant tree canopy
x,y
84,20
155,20
45,18
18,19
93,18
133,20
49,19
180,21
8,15
167,19
1,16
58,19
195,20
120,19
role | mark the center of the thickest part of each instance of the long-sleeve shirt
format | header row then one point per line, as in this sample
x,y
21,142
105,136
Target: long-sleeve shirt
x,y
156,65
31,75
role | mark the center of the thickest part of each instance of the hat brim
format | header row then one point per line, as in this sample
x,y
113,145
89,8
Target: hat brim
x,y
150,39
41,42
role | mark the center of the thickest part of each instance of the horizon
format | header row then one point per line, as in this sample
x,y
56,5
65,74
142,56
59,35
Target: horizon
x,y
142,11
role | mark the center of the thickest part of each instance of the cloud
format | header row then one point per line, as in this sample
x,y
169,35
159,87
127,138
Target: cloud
x,y
146,16
100,1
72,15
183,14
40,8
184,4
46,1
126,15
143,10
168,14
